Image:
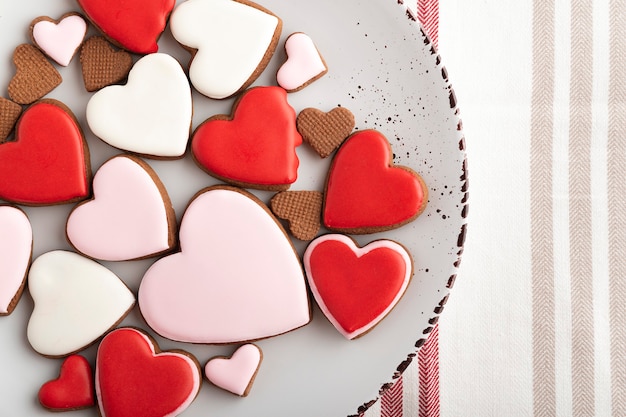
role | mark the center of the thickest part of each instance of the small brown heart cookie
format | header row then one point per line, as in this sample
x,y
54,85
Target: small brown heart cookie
x,y
102,65
9,113
35,76
302,211
325,132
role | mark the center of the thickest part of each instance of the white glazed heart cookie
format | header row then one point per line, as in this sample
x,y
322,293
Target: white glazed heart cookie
x,y
151,114
232,42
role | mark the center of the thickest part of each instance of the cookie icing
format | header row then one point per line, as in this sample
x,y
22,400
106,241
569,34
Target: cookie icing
x,y
151,114
72,390
130,216
134,25
237,277
236,373
135,378
16,242
356,287
365,192
76,300
256,146
48,163
60,40
232,41
304,63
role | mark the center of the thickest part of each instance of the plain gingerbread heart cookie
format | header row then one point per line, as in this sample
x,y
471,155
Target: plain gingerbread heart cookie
x,y
72,390
356,287
238,275
102,65
130,216
366,192
34,75
325,131
231,42
135,378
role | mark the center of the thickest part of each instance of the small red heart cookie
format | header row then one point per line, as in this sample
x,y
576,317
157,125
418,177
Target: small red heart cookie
x,y
72,390
356,287
48,163
256,146
134,378
134,25
365,192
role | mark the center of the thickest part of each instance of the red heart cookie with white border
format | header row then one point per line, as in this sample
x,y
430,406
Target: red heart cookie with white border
x,y
356,287
72,390
134,25
256,147
365,192
135,378
48,163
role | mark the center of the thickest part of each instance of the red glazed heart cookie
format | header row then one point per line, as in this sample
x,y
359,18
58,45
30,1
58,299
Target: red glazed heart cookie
x,y
366,193
72,390
135,378
48,163
356,287
134,25
256,146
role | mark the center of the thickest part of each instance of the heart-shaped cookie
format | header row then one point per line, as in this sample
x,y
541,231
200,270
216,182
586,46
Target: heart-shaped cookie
x,y
135,378
130,216
151,114
48,163
134,25
59,39
76,299
72,390
256,146
235,374
325,131
102,65
365,192
356,287
16,245
232,42
9,113
34,77
238,275
304,63
301,209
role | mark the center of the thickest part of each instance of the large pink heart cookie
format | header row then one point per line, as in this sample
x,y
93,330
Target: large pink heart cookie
x,y
130,217
237,277
16,243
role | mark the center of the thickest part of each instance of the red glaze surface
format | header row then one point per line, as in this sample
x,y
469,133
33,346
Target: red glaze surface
x,y
257,146
72,390
356,290
132,380
48,163
365,191
135,24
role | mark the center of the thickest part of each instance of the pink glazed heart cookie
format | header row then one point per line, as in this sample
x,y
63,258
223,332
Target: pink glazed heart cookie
x,y
235,374
130,216
16,245
72,390
304,63
59,39
135,378
238,277
356,287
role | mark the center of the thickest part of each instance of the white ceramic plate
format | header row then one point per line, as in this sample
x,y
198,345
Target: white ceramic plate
x,y
382,68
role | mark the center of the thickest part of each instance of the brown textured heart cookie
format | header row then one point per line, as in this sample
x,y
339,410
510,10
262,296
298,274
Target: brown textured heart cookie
x,y
35,76
9,113
302,211
325,131
102,65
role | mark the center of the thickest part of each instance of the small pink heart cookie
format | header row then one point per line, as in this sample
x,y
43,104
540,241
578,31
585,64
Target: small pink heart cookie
x,y
16,244
130,216
59,39
235,374
304,63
